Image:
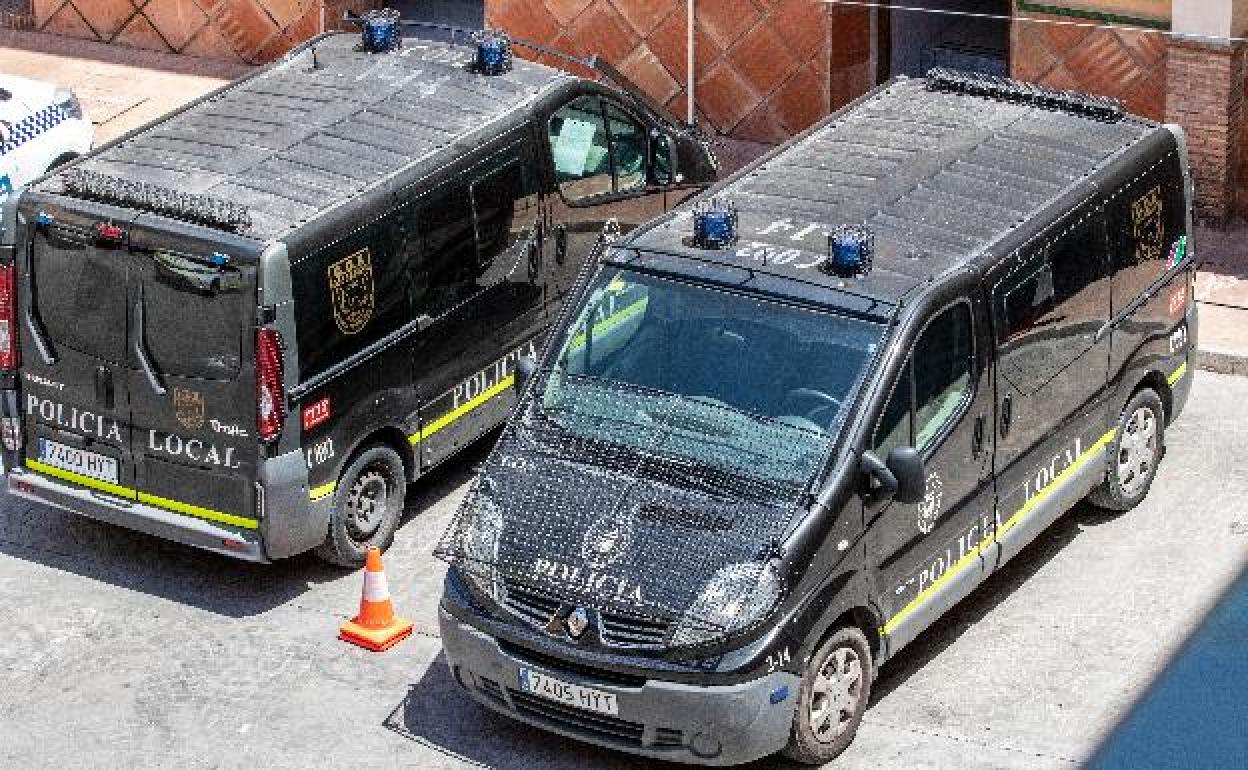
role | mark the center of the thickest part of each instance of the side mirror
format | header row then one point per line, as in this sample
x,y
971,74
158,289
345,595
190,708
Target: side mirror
x,y
525,367
906,465
901,478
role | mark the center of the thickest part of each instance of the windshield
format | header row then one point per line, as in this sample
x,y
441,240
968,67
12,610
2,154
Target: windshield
x,y
732,381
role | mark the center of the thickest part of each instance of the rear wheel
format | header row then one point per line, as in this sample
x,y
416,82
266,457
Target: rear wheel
x,y
832,698
1134,454
368,505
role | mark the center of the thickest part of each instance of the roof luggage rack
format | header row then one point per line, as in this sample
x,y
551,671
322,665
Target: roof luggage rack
x,y
202,209
1100,108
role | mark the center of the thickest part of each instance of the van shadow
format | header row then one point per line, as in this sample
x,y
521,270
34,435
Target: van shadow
x,y
438,715
984,599
65,541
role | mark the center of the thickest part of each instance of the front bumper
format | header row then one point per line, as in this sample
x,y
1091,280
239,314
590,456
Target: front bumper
x,y
712,725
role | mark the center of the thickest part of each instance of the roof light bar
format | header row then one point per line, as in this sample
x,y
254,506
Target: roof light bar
x,y
1100,108
493,53
714,224
203,209
380,30
851,249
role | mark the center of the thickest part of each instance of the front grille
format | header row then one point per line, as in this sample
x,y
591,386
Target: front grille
x,y
533,606
579,670
600,725
632,630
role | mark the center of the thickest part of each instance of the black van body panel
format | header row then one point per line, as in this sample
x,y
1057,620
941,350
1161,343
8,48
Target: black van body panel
x,y
989,213
401,241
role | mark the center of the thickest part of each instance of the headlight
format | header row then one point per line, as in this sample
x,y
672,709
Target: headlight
x,y
738,596
479,564
68,102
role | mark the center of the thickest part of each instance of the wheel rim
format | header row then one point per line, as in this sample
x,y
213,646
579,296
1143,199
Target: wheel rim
x,y
368,504
835,694
1137,451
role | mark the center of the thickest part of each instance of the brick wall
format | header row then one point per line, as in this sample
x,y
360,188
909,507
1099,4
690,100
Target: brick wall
x,y
1207,97
1127,64
764,69
252,31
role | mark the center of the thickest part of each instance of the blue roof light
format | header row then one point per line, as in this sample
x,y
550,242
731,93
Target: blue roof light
x,y
43,218
381,30
219,259
714,224
493,53
850,251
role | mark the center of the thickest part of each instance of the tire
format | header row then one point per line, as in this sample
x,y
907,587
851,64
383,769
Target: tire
x,y
832,698
368,505
1134,453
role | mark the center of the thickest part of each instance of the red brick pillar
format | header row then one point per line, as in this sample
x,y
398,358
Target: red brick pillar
x,y
1205,94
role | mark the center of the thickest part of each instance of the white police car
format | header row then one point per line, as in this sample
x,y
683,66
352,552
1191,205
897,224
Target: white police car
x,y
41,126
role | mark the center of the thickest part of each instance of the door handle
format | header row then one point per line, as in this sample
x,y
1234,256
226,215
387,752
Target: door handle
x,y
104,387
1007,415
977,440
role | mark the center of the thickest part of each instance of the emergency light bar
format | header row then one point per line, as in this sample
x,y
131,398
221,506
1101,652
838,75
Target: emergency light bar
x,y
850,251
714,224
202,209
380,30
1004,89
493,53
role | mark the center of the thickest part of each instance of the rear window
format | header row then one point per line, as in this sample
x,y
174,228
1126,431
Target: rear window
x,y
193,317
80,293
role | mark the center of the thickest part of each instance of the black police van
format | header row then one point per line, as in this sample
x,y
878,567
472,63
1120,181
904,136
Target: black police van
x,y
782,430
245,326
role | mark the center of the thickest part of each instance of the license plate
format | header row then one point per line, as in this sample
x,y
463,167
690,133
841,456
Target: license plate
x,y
586,698
80,461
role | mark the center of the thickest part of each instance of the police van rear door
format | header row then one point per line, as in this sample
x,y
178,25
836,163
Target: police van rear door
x,y
191,373
73,329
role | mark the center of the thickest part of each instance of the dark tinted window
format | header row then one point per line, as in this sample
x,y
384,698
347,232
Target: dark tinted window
x,y
942,372
1058,287
189,331
894,426
1147,219
81,293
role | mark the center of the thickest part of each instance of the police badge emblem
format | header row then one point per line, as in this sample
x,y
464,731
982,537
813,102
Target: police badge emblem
x,y
188,407
929,506
1148,227
606,541
351,291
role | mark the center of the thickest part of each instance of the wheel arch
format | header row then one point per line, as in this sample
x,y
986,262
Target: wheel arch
x,y
1157,382
390,436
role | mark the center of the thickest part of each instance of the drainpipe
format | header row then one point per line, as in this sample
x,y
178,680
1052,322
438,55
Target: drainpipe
x,y
693,113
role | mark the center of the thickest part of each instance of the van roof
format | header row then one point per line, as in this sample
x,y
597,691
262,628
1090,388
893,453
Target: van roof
x,y
938,176
320,127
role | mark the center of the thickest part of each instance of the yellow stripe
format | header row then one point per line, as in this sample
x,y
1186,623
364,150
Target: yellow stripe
x,y
1178,374
974,553
199,512
175,506
463,409
324,490
86,481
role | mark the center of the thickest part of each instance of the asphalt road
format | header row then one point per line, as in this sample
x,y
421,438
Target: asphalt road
x,y
119,650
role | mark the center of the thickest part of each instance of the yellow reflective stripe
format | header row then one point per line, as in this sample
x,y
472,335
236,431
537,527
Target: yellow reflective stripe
x,y
1018,516
611,321
1178,374
324,490
463,409
86,481
178,506
175,506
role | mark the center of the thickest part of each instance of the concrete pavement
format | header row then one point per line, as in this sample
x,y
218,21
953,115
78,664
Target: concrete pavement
x,y
119,650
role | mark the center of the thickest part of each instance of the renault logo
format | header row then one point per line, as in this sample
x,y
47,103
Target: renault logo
x,y
577,622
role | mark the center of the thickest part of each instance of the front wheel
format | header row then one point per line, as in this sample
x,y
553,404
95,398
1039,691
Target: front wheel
x,y
832,699
1134,454
368,505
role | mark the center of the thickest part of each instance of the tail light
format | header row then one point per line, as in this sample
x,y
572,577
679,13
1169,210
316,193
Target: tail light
x,y
270,389
9,354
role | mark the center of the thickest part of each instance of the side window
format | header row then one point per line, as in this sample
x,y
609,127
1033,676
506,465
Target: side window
x,y
1058,288
629,144
1147,217
500,187
933,386
581,149
942,373
448,272
598,149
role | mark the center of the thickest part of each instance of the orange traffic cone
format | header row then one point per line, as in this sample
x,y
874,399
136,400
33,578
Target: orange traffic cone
x,y
376,628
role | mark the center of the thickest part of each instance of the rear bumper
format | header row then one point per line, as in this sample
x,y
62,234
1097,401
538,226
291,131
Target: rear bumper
x,y
728,725
137,516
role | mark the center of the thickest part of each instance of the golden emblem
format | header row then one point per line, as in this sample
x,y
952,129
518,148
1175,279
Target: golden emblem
x,y
188,407
351,291
1148,227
